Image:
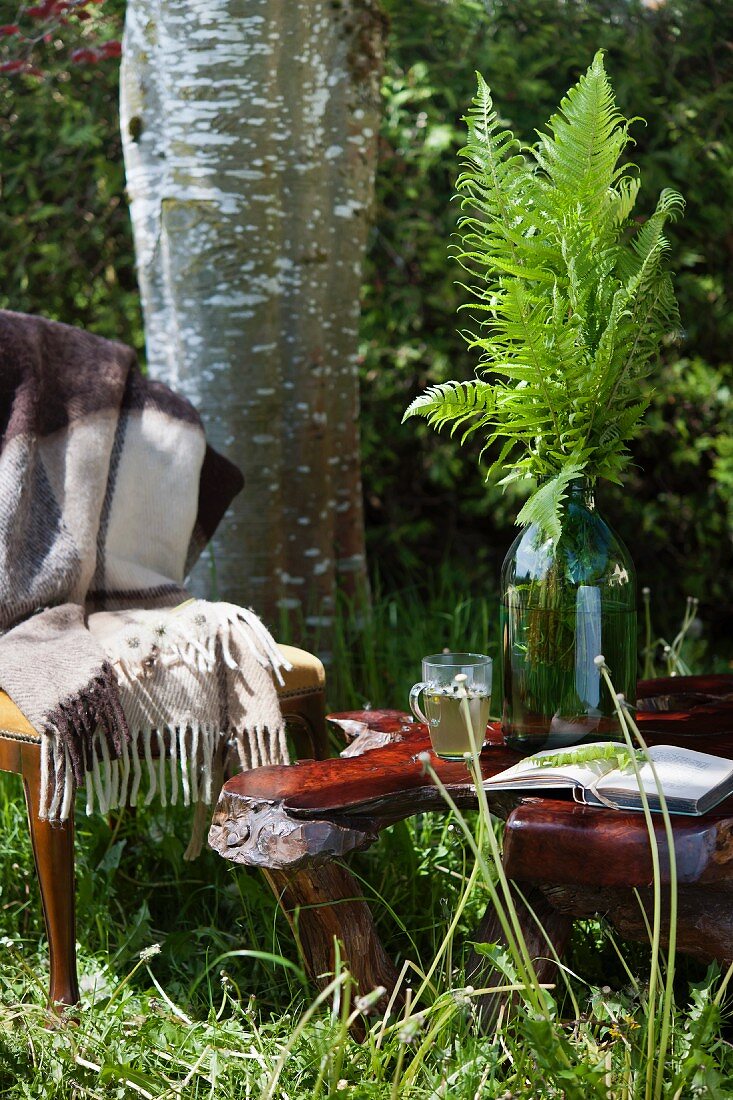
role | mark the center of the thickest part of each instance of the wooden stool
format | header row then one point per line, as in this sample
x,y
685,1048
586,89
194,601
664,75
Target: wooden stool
x,y
302,700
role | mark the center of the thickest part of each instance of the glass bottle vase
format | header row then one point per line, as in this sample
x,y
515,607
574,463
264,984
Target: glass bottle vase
x,y
565,601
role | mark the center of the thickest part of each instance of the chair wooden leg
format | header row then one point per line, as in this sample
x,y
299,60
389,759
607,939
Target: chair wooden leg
x,y
316,718
309,712
53,850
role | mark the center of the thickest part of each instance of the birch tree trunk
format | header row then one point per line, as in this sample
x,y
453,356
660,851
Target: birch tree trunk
x,y
249,130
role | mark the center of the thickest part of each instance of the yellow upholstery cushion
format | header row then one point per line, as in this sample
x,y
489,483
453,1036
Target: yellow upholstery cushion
x,y
13,721
307,674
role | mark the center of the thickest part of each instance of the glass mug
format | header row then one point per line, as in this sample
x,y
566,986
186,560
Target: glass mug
x,y
457,690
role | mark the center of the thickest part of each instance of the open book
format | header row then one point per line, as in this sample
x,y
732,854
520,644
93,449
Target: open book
x,y
692,782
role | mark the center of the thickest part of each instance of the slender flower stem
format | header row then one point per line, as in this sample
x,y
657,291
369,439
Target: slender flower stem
x,y
654,1085
509,926
447,939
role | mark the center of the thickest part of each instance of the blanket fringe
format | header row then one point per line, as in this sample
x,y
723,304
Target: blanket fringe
x,y
177,743
76,722
154,763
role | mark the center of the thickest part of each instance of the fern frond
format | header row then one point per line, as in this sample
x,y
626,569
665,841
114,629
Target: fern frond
x,y
640,260
622,199
544,507
494,175
587,136
568,308
454,403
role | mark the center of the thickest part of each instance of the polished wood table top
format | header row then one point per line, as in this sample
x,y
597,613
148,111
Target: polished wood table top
x,y
380,779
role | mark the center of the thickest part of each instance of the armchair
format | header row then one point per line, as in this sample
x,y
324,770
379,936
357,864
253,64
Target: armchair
x,y
108,493
302,699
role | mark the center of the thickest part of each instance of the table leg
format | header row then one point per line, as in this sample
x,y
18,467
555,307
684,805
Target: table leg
x,y
704,915
552,932
323,904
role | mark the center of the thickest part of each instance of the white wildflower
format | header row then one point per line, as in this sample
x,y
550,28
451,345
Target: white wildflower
x,y
365,1003
409,1031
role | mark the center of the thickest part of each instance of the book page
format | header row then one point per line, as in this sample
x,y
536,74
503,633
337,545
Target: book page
x,y
528,773
682,773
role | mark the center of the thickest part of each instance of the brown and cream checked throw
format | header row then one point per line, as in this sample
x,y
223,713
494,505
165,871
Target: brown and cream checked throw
x,y
108,494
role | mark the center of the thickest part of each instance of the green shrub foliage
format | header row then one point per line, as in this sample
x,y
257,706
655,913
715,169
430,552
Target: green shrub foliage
x,y
66,251
65,237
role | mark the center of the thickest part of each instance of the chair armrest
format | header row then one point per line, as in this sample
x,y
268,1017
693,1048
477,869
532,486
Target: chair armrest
x,y
307,676
12,720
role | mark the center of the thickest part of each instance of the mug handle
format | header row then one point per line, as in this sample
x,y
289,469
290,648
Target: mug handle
x,y
414,696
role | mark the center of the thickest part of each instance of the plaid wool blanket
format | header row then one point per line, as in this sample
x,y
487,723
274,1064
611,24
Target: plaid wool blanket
x,y
108,494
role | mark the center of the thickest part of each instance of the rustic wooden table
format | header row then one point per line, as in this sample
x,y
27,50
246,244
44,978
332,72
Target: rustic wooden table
x,y
297,823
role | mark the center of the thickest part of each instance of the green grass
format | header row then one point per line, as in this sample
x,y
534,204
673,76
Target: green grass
x,y
374,659
192,986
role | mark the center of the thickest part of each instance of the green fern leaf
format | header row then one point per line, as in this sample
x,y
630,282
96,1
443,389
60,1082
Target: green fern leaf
x,y
454,403
622,199
587,136
544,507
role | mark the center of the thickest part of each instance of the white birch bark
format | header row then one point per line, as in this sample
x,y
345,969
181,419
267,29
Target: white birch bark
x,y
249,130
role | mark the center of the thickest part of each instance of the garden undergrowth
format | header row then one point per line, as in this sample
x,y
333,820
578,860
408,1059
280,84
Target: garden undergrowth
x,y
192,986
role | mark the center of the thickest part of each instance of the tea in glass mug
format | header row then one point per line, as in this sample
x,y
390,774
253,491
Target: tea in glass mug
x,y
457,689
